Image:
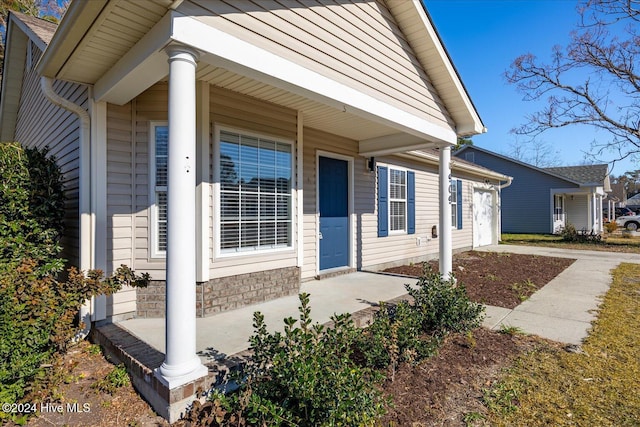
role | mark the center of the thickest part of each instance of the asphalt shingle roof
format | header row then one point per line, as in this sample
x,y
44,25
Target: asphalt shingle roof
x,y
587,174
43,29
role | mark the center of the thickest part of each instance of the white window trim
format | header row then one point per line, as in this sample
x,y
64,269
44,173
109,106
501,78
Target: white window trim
x,y
218,252
406,199
454,204
154,253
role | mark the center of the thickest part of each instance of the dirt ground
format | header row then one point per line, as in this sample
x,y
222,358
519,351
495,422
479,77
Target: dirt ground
x,y
494,278
445,390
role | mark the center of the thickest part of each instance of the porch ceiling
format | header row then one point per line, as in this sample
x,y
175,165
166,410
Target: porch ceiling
x,y
316,115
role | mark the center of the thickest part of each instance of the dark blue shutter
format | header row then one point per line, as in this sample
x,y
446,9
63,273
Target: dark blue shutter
x,y
459,203
383,202
411,202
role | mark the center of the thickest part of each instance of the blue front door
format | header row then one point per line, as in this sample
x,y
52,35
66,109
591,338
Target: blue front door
x,y
333,196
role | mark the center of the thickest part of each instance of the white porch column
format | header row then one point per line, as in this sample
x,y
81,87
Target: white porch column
x,y
181,364
445,212
594,212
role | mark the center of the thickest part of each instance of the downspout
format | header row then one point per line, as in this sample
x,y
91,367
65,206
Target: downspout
x,y
87,254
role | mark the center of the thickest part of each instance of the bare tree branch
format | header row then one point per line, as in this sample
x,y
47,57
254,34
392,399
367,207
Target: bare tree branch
x,y
608,98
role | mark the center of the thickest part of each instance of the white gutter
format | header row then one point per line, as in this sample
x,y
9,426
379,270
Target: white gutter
x,y
506,184
87,254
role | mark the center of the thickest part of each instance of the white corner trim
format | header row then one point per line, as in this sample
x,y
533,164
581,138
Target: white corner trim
x,y
224,50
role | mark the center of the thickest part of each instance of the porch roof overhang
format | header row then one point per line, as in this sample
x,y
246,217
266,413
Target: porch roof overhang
x,y
133,61
458,165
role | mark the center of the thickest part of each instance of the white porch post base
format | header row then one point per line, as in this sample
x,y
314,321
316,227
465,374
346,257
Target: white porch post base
x,y
445,242
175,376
181,364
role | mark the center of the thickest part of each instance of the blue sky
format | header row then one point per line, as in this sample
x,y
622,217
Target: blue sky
x,y
483,37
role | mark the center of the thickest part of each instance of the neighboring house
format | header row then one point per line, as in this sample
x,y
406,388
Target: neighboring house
x,y
544,200
633,202
233,149
616,199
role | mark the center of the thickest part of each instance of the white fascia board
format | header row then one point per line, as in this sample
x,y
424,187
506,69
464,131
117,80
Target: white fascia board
x,y
77,20
140,68
236,55
390,144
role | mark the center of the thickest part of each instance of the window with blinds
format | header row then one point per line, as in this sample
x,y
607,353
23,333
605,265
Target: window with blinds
x,y
160,138
255,193
397,199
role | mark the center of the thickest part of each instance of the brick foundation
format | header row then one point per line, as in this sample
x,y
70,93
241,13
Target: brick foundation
x,y
225,293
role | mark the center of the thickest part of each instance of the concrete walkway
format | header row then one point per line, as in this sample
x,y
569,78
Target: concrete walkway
x,y
561,311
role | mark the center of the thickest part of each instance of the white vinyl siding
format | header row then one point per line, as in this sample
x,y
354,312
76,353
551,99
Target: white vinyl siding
x,y
397,200
120,196
400,248
42,124
132,216
576,209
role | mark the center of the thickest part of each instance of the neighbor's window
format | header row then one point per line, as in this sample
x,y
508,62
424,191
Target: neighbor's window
x,y
158,195
255,193
397,199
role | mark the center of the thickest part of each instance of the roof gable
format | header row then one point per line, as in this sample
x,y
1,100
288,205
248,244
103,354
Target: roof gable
x,y
585,175
21,31
350,41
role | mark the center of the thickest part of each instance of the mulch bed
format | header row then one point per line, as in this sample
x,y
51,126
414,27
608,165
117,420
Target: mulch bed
x,y
446,388
495,278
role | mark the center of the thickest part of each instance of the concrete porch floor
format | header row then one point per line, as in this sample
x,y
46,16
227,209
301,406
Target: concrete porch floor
x,y
227,333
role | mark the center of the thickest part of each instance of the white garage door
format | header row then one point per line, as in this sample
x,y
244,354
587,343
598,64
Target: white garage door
x,y
482,218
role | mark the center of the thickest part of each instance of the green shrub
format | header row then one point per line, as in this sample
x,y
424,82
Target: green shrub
x,y
37,314
443,305
305,376
395,336
31,207
569,233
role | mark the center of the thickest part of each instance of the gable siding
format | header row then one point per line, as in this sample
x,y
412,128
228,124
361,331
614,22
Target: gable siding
x,y
358,44
526,203
41,124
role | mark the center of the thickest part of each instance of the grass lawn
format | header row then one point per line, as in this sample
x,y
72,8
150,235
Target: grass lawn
x,y
597,385
610,243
